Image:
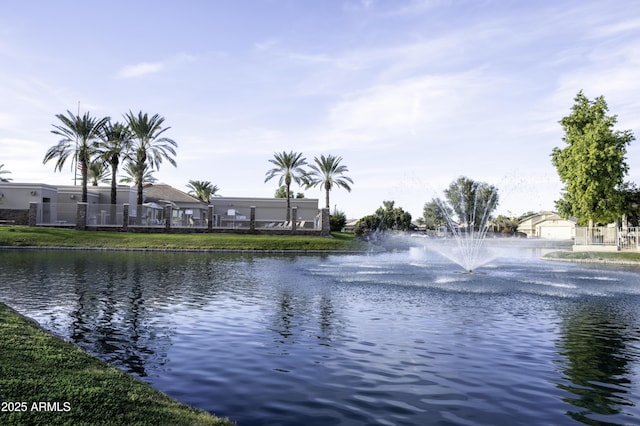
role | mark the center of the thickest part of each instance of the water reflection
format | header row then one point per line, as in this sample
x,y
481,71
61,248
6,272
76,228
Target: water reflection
x,y
97,302
326,317
598,362
349,339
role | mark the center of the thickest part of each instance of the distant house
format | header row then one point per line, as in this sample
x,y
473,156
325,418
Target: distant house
x,y
548,225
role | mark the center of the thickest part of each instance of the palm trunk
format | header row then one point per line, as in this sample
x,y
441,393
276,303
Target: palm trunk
x,y
139,202
141,161
288,204
85,178
140,194
326,195
114,182
114,193
287,181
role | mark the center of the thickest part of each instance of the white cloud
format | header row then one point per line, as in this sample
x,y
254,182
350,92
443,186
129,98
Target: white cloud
x,y
138,70
146,68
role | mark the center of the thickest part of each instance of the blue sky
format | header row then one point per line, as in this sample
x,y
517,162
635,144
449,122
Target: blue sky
x,y
412,94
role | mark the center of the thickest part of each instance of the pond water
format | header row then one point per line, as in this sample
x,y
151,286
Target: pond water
x,y
391,339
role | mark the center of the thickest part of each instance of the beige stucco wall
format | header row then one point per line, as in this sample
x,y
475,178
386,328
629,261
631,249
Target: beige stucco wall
x,y
19,195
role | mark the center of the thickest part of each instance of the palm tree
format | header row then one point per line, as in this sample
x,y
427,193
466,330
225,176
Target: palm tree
x,y
289,168
131,175
149,146
114,146
2,172
98,173
203,190
328,173
79,135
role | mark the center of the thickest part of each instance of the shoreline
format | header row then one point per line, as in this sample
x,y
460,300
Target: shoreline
x,y
76,386
25,238
594,261
182,250
598,258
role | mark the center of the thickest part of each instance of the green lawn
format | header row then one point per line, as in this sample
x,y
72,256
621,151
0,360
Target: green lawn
x,y
620,256
47,381
53,237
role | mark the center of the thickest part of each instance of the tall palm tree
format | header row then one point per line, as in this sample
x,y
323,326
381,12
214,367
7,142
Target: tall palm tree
x,y
79,136
114,146
203,190
2,172
289,166
328,173
149,146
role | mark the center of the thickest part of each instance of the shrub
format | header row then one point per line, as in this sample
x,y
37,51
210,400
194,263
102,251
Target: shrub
x,y
337,221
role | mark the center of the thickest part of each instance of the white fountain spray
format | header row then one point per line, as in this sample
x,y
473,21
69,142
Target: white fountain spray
x,y
470,235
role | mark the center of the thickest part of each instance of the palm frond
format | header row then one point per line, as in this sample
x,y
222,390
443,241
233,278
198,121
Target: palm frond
x,y
328,173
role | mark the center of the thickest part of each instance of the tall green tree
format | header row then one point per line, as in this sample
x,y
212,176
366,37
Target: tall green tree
x,y
592,165
328,173
203,190
113,148
473,202
149,146
4,172
79,138
434,214
289,166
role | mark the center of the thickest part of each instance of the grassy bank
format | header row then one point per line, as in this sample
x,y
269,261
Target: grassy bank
x,y
45,380
52,237
605,257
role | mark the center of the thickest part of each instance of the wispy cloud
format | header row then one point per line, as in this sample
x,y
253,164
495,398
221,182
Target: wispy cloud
x,y
141,69
410,107
145,68
616,28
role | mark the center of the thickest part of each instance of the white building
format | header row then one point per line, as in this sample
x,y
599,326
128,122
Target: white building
x,y
548,225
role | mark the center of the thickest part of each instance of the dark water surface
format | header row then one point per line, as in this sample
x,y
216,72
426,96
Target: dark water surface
x,y
389,339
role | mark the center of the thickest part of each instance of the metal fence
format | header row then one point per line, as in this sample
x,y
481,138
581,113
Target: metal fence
x,y
628,238
623,238
155,216
105,214
147,216
57,214
596,236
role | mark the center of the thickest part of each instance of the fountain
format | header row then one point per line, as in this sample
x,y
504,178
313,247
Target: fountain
x,y
472,208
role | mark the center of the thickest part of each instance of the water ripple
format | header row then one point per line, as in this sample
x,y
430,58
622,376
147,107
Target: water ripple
x,y
384,339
